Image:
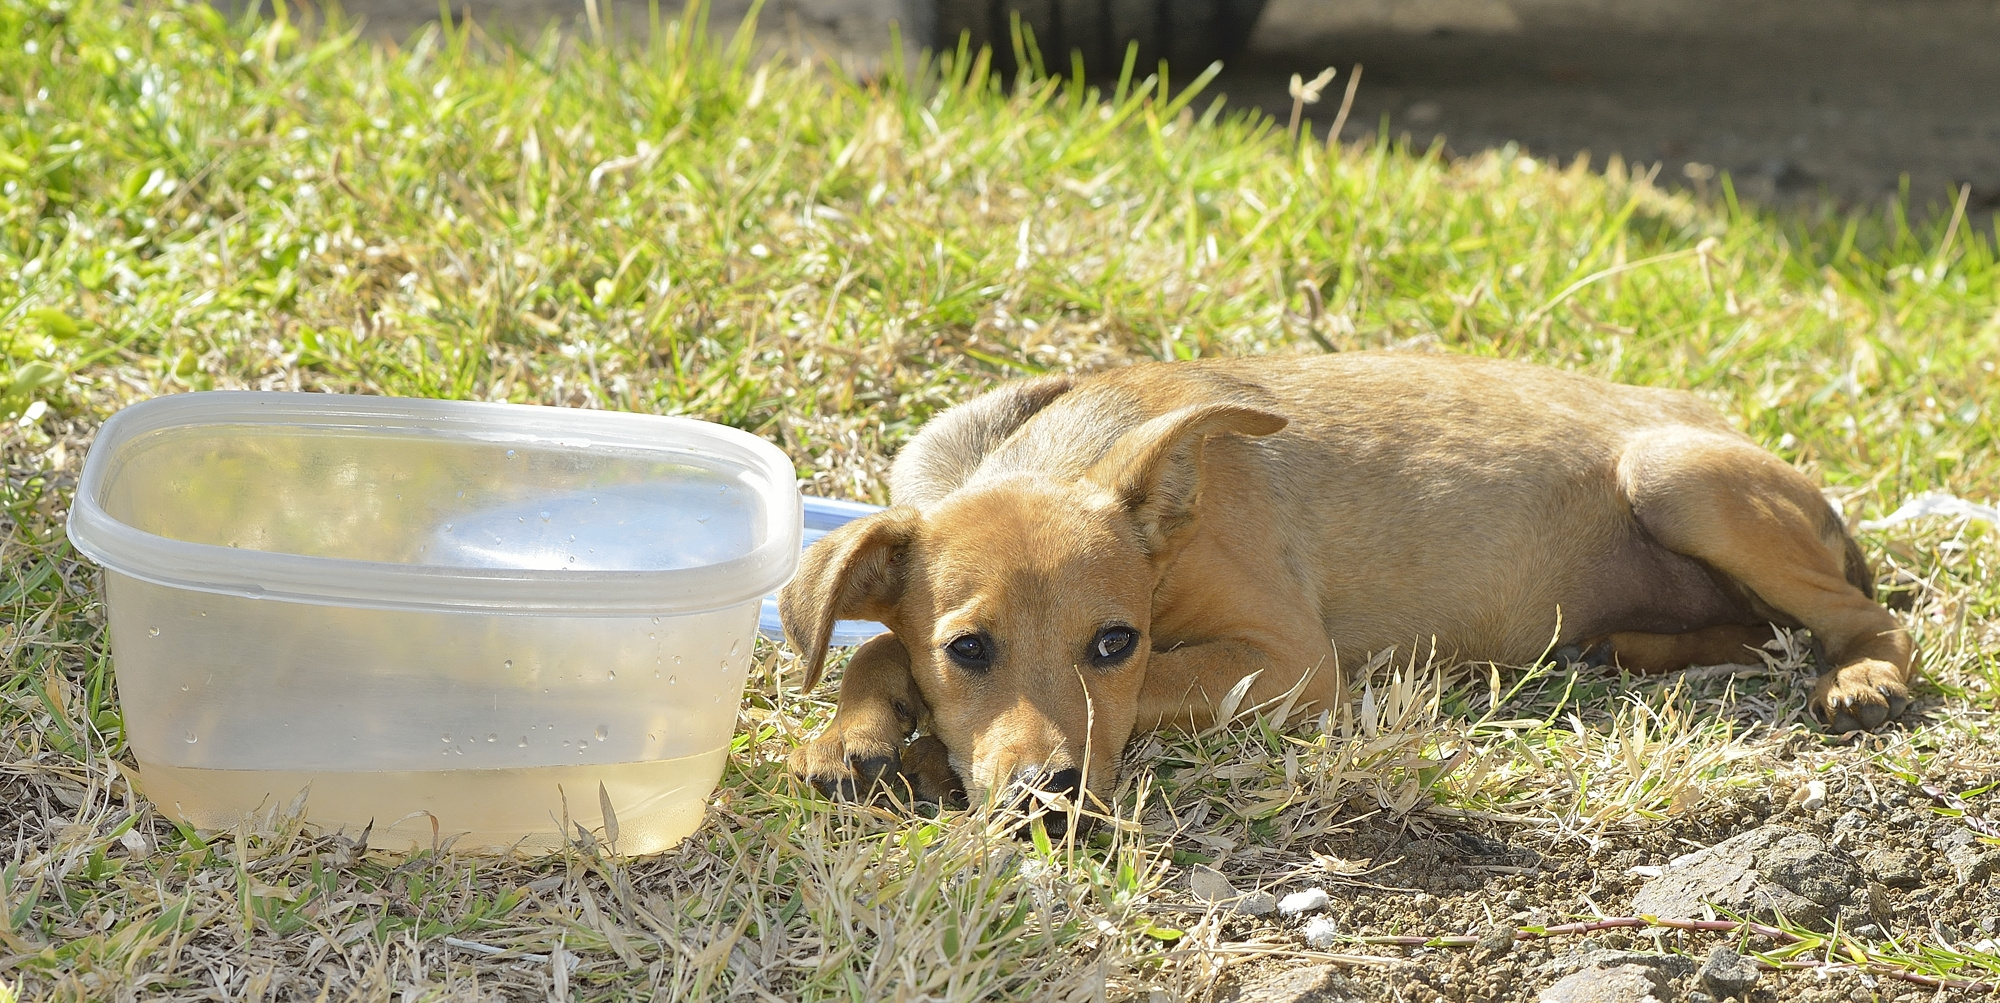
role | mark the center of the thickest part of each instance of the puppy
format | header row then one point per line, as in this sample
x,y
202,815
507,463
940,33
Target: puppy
x,y
1073,560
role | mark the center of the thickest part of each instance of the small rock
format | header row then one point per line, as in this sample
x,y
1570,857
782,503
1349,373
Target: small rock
x,y
1497,940
1310,900
1209,884
1617,984
1811,796
1972,861
1895,868
1321,933
1670,967
1213,887
1696,996
1851,829
1315,984
1764,872
1515,900
1728,973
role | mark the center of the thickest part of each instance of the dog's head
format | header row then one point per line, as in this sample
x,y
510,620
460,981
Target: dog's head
x,y
1025,603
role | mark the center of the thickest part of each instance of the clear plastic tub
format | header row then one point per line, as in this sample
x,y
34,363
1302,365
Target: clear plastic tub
x,y
823,516
444,618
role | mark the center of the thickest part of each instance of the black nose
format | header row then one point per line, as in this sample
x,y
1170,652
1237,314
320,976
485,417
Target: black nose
x,y
1064,783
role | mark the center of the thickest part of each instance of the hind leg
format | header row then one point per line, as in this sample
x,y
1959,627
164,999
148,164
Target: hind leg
x,y
1763,525
1728,644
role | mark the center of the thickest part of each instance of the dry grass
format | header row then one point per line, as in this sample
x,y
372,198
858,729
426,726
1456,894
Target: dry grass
x,y
187,204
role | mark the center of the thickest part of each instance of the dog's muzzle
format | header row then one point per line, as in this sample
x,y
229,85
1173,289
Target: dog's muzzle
x,y
1050,795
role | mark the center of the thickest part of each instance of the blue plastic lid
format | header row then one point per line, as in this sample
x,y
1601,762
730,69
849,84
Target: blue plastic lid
x,y
823,515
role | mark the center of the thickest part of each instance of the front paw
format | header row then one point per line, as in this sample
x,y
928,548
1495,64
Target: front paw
x,y
850,764
927,770
1860,696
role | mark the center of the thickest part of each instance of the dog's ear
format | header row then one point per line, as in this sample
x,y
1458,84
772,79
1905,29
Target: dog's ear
x,y
1154,471
854,572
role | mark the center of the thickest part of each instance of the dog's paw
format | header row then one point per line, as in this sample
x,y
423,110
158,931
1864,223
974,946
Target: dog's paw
x,y
1860,696
927,769
847,766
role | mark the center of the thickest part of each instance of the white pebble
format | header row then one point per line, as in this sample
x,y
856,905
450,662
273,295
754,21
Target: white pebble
x,y
1815,798
1321,933
1305,901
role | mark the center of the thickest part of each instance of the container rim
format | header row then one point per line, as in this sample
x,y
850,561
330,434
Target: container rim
x,y
127,550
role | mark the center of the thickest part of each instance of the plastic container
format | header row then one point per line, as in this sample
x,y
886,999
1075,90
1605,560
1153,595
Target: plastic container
x,y
824,515
444,618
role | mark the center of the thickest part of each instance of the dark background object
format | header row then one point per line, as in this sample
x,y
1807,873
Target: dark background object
x,y
1189,34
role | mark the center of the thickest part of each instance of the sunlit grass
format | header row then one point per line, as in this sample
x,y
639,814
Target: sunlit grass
x,y
188,203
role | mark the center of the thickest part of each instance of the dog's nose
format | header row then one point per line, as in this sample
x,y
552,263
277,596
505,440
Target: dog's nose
x,y
1036,785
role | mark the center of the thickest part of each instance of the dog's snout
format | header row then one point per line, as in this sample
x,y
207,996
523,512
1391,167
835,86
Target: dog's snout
x,y
1065,782
1051,794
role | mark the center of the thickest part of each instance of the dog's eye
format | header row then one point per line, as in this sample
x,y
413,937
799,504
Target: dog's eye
x,y
971,651
1113,644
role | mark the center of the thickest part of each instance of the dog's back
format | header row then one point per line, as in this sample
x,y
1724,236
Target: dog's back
x,y
1422,489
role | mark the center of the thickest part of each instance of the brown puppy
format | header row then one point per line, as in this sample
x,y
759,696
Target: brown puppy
x,y
1073,560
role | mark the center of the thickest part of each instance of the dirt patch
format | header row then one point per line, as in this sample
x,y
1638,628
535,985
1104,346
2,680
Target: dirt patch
x,y
1417,877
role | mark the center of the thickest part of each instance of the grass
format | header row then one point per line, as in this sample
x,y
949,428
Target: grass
x,y
189,203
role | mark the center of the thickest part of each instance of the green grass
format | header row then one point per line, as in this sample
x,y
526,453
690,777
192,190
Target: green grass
x,y
188,203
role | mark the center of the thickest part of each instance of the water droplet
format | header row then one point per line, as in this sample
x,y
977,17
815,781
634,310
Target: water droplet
x,y
572,558
521,519
602,732
652,636
702,519
447,527
656,675
725,665
579,748
733,645
508,664
446,737
461,494
545,517
510,454
677,659
190,738
656,621
203,613
611,675
491,737
671,680
152,631
444,752
565,743
184,689
652,736
523,743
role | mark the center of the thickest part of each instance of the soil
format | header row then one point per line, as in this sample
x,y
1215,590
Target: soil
x,y
1469,880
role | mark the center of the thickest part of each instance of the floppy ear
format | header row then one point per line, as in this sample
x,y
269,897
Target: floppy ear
x,y
854,572
1154,471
